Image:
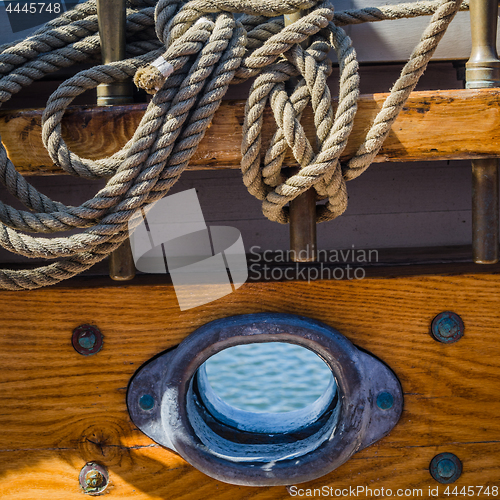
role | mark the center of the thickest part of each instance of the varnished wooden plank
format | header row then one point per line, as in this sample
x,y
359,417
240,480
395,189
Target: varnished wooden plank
x,y
455,124
60,410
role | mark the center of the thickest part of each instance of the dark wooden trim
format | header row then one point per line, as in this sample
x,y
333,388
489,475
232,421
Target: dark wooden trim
x,y
392,263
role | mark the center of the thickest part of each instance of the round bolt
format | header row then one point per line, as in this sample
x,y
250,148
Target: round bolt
x,y
385,400
87,339
445,468
447,327
93,478
147,402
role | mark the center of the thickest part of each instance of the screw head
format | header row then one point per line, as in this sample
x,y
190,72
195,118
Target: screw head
x,y
147,402
445,468
87,339
385,400
93,478
447,327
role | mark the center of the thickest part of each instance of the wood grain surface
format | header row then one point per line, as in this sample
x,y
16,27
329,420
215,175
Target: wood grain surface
x,y
453,124
60,409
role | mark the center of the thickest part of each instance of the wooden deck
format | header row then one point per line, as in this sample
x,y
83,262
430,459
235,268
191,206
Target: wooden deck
x,y
61,410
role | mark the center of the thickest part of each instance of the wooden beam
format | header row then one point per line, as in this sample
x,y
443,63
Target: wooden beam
x,y
434,125
383,263
60,409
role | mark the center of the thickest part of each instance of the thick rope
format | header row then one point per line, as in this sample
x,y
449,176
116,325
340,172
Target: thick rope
x,y
323,171
206,49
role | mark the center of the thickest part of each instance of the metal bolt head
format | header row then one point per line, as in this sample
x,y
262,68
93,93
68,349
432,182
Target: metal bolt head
x,y
147,402
93,478
445,468
87,339
447,327
385,400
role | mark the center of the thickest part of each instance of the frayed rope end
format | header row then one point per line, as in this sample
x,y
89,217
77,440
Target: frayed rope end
x,y
151,78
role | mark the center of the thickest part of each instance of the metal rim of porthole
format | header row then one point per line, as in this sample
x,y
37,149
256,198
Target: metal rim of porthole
x,y
170,400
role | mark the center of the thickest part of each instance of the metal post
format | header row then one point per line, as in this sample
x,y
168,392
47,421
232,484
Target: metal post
x,y
302,211
483,71
111,18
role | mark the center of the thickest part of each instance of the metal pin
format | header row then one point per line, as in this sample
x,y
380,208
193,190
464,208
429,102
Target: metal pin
x,y
485,211
121,263
303,227
302,209
483,71
112,18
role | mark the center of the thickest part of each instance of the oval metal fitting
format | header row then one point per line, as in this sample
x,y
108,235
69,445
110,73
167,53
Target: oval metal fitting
x,y
171,401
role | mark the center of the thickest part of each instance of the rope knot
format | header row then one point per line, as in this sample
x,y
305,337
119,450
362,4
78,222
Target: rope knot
x,y
319,165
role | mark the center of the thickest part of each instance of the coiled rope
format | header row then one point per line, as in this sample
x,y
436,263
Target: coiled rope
x,y
208,49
